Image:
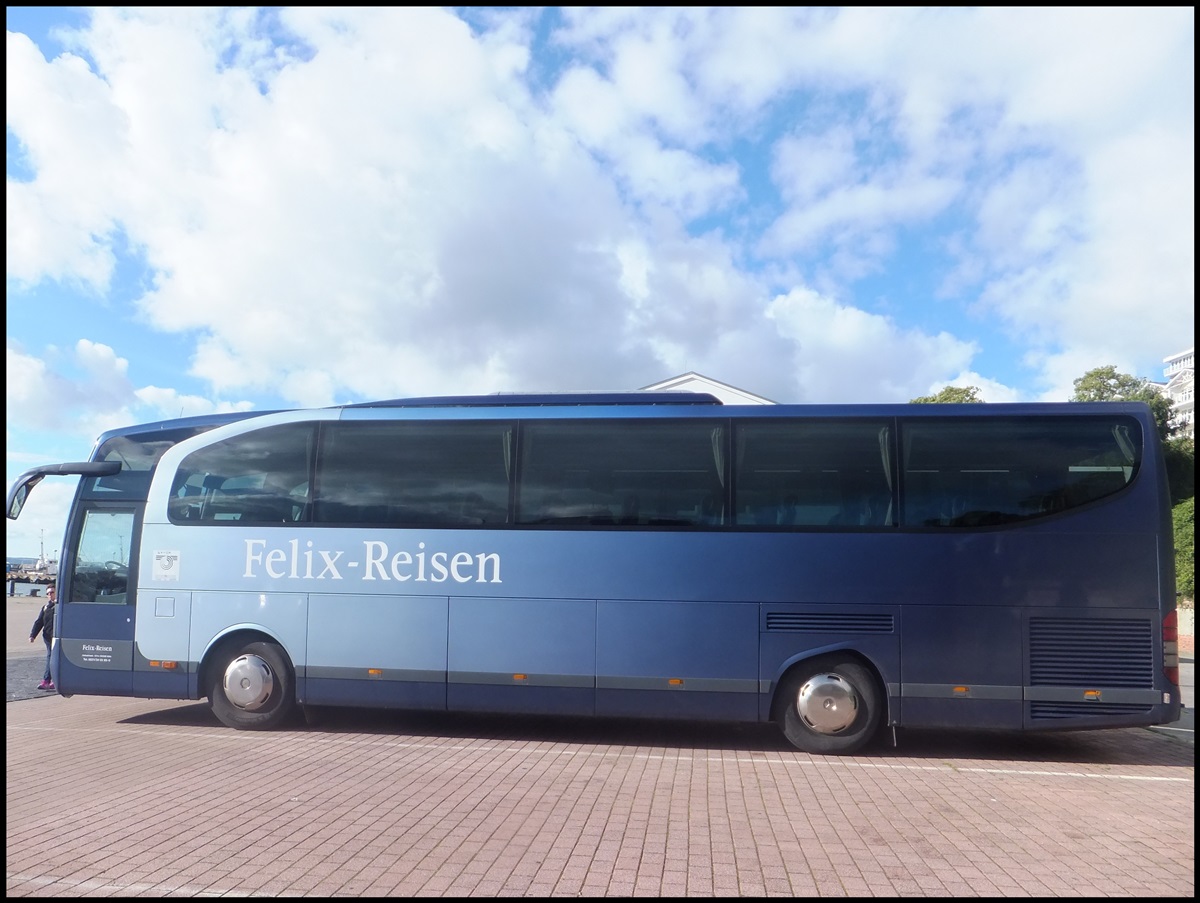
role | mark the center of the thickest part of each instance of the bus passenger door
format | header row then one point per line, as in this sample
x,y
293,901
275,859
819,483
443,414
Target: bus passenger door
x,y
93,647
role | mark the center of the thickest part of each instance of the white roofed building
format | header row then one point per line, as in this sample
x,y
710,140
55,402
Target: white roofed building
x,y
1181,389
694,382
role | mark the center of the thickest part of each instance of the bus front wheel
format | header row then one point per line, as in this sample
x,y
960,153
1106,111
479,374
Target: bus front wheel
x,y
831,705
252,687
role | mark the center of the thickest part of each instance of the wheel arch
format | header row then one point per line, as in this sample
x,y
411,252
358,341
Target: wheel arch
x,y
844,650
832,703
238,636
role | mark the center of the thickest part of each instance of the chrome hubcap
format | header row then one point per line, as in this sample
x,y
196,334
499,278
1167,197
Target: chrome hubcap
x,y
827,703
248,682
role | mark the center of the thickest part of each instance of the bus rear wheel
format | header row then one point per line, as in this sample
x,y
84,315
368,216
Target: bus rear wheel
x,y
830,706
252,687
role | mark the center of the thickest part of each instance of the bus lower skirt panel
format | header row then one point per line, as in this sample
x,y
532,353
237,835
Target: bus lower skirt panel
x,y
1052,716
979,714
464,697
384,694
677,704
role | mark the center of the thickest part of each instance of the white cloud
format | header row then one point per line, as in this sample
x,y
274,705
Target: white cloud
x,y
57,225
810,166
97,396
390,202
851,211
844,354
32,390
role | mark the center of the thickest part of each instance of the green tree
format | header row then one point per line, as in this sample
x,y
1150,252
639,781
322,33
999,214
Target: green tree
x,y
1184,517
1180,455
952,395
1106,384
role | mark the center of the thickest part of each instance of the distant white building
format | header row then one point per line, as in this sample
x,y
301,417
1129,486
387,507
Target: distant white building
x,y
695,382
1181,389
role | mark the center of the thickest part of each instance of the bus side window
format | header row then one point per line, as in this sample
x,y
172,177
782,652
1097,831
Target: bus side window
x,y
248,478
250,506
712,509
861,506
1087,484
298,498
924,498
800,473
961,472
185,505
636,473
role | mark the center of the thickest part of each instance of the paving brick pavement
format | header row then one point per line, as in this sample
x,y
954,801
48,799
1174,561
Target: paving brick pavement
x,y
146,798
155,799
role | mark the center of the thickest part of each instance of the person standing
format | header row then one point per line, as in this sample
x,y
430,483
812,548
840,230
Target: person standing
x,y
45,626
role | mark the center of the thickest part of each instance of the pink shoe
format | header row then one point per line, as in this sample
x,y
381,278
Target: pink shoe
x,y
45,685
50,685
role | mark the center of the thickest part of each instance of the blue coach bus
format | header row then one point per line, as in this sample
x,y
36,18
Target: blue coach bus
x,y
834,569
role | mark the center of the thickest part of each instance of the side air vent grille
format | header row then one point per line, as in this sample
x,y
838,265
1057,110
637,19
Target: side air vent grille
x,y
832,622
1049,711
1069,652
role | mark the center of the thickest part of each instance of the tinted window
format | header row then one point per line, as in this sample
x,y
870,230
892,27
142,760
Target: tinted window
x,y
962,473
259,477
813,473
451,474
634,472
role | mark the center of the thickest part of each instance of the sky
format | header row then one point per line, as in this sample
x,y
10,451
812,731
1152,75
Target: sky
x,y
239,208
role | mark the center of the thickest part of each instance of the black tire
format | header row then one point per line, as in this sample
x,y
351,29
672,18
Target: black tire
x,y
829,706
251,686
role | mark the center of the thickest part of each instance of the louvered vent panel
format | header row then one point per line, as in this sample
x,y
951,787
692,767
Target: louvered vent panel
x,y
1097,653
1047,711
831,622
